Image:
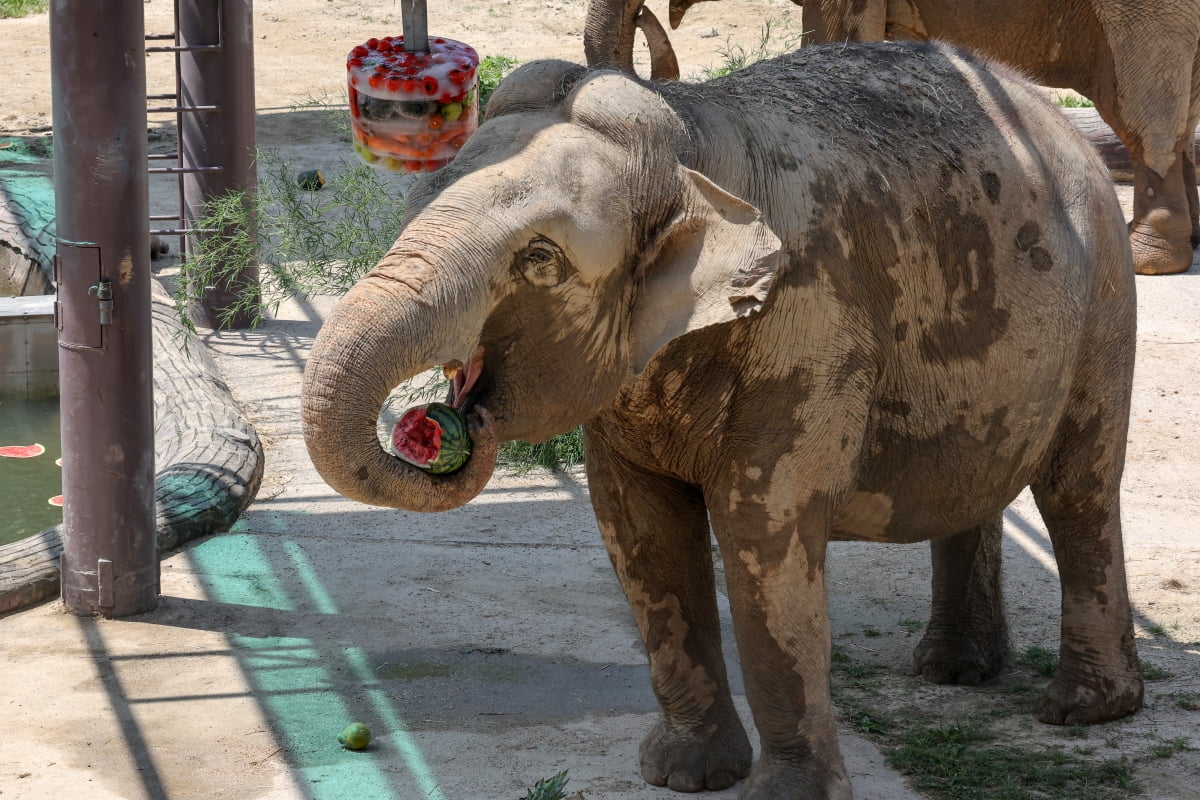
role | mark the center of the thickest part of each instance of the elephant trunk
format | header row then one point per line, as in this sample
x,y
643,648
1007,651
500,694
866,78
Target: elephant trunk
x,y
383,332
608,36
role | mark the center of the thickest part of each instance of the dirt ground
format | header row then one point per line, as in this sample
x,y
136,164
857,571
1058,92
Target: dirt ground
x,y
490,646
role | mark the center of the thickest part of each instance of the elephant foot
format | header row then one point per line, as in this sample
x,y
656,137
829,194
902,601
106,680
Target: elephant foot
x,y
776,779
1154,255
690,759
944,658
1074,699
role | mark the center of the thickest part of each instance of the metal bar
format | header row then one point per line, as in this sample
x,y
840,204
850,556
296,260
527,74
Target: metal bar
x,y
159,37
195,48
182,170
162,97
180,109
162,156
416,25
110,550
182,231
226,139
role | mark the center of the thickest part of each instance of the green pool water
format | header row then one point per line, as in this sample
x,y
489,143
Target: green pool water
x,y
26,484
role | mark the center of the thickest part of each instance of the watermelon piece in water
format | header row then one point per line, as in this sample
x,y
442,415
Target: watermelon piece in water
x,y
433,437
21,450
57,500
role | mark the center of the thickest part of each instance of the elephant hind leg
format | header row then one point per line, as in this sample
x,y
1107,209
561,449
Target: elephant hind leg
x,y
1099,675
966,641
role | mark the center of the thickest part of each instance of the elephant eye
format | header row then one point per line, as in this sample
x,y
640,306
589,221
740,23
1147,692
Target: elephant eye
x,y
542,263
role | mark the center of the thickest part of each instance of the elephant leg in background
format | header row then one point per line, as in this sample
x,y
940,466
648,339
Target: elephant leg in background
x,y
657,535
966,641
1163,226
1193,193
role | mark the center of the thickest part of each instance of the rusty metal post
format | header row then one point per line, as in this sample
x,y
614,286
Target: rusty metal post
x,y
102,266
216,70
415,18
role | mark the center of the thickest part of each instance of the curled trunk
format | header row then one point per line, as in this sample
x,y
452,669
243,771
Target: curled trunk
x,y
608,37
381,334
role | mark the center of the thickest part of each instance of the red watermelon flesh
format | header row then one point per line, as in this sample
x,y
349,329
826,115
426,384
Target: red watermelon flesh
x,y
417,438
57,500
21,450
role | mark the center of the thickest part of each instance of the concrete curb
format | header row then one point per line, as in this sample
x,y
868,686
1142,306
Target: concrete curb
x,y
209,457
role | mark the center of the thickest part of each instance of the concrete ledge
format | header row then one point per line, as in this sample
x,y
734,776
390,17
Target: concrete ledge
x,y
28,346
209,461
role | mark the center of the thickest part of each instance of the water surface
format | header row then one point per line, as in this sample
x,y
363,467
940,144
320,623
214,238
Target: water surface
x,y
26,484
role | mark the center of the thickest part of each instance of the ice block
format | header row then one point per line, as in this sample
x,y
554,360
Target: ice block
x,y
412,111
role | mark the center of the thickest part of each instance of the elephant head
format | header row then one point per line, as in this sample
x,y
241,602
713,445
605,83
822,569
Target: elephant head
x,y
545,267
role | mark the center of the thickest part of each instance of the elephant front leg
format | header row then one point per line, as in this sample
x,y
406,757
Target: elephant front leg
x,y
966,641
775,567
657,535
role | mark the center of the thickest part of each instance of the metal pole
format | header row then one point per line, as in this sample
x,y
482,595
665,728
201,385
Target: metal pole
x,y
102,271
415,19
216,72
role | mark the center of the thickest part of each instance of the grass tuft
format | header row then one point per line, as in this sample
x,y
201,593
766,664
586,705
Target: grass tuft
x,y
22,8
771,42
491,71
559,452
553,788
964,761
1041,660
1071,101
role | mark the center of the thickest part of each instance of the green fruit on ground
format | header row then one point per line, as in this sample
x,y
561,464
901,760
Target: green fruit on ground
x,y
433,437
310,180
355,736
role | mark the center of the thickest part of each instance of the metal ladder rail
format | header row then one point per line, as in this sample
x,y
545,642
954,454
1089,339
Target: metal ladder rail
x,y
179,110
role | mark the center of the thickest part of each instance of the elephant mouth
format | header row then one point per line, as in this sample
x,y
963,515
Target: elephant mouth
x,y
465,384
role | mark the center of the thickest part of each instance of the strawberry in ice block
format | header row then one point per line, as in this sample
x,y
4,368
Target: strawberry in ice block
x,y
412,111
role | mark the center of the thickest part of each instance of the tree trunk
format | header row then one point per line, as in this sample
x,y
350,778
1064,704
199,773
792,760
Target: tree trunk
x,y
1112,152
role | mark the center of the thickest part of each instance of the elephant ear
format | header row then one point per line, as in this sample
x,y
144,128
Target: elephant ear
x,y
714,262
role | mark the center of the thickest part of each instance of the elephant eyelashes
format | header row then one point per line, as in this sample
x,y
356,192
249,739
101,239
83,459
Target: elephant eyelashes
x,y
542,263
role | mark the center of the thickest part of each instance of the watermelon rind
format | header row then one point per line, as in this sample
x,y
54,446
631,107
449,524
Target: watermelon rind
x,y
456,442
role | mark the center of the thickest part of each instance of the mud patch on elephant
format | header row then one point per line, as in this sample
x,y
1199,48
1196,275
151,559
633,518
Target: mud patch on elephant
x,y
991,186
964,249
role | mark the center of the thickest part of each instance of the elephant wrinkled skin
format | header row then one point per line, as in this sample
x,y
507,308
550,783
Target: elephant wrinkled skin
x,y
866,292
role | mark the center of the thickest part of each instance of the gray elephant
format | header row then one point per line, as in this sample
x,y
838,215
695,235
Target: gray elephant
x,y
865,292
1138,60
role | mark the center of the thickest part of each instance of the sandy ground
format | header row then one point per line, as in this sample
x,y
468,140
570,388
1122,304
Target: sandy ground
x,y
490,646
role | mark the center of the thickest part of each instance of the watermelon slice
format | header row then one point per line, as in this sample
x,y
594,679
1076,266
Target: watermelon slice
x,y
56,500
21,450
433,437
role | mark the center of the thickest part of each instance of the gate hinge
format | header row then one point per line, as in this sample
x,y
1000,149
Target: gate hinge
x,y
103,292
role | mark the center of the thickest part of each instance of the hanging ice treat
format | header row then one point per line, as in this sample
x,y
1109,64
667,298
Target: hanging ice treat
x,y
412,110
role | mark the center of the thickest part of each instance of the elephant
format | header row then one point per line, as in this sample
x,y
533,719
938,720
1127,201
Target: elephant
x,y
865,292
1139,62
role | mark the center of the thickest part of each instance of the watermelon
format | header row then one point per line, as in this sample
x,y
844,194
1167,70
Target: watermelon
x,y
21,451
57,500
433,437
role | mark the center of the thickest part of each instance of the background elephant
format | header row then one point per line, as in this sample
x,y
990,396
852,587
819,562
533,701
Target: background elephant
x,y
1137,60
767,322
